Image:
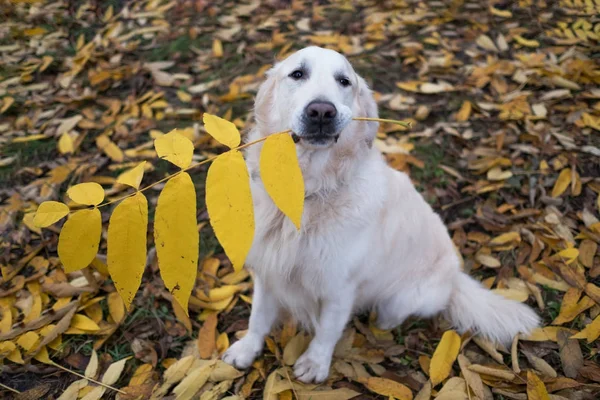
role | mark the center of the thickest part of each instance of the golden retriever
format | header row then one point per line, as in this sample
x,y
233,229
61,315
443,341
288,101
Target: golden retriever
x,y
368,238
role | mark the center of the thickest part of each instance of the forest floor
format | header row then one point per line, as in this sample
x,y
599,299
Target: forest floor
x,y
504,101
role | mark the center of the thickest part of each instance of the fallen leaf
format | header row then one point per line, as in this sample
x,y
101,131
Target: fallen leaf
x,y
444,356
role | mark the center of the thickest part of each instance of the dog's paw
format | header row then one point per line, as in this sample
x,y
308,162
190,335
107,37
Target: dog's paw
x,y
312,367
243,352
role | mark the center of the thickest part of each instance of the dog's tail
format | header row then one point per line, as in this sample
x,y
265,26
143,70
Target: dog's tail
x,y
474,308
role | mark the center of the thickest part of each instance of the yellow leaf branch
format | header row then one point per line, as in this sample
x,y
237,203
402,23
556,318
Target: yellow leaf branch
x,y
243,146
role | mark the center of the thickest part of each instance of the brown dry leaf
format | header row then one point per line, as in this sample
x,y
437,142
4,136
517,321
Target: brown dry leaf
x,y
570,354
587,251
496,371
472,379
540,365
294,348
207,341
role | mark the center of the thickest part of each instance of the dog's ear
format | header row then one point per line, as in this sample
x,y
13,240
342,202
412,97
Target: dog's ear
x,y
264,97
367,107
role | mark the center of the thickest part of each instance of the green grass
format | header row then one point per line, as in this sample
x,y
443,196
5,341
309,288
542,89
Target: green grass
x,y
432,155
29,154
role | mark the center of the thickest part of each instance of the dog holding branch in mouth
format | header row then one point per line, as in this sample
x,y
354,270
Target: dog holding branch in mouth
x,y
368,241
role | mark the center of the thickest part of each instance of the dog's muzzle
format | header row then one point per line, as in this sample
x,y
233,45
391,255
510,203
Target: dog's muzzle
x,y
319,122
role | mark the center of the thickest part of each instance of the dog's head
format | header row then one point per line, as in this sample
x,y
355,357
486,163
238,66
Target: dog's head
x,y
315,92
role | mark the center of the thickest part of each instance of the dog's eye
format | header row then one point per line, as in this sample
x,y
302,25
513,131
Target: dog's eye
x,y
297,74
344,82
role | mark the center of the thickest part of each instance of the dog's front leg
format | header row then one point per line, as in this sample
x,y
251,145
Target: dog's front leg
x,y
265,310
313,365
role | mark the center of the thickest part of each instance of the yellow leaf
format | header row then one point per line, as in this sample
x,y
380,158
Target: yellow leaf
x,y
193,382
207,341
6,347
113,372
28,341
505,238
126,256
513,294
28,222
222,343
15,356
79,239
65,144
569,255
487,260
217,48
175,148
230,207
116,307
7,102
295,348
410,86
181,316
549,333
220,293
43,356
84,323
110,148
133,177
562,183
184,96
223,131
49,212
92,368
387,387
176,237
535,387
526,42
142,374
465,111
282,177
444,356
89,193
591,332
34,31
500,13
5,319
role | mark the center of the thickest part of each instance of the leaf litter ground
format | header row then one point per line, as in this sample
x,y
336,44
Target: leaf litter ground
x,y
505,144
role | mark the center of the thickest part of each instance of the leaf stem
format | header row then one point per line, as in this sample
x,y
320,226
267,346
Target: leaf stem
x,y
3,386
391,121
89,379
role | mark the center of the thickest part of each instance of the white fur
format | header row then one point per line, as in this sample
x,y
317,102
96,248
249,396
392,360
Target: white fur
x,y
368,238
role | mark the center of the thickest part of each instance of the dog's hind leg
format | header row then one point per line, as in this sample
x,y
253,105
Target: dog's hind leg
x,y
422,300
265,311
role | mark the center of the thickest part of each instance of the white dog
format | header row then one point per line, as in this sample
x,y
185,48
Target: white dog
x,y
368,239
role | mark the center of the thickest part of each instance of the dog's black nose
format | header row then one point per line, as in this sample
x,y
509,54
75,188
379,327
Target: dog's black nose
x,y
320,112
